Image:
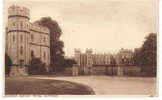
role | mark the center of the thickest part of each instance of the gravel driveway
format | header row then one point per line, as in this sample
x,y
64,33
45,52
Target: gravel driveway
x,y
106,85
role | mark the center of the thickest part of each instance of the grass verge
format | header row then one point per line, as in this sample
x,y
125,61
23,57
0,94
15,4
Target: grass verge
x,y
31,86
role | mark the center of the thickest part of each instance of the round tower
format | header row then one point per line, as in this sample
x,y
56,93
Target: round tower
x,y
18,39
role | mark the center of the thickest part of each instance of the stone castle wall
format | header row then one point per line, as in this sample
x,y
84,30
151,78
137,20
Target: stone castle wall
x,y
23,37
100,64
40,43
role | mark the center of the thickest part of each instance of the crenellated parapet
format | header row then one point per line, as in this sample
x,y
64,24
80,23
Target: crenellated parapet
x,y
18,11
18,19
77,50
89,50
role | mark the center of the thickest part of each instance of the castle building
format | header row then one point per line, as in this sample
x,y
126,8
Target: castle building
x,y
124,56
86,60
105,63
25,40
101,59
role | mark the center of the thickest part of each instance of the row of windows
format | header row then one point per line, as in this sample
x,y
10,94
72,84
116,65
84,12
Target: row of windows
x,y
21,38
21,24
32,53
32,38
44,54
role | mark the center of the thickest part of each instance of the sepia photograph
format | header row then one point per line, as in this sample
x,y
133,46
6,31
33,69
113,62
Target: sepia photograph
x,y
80,47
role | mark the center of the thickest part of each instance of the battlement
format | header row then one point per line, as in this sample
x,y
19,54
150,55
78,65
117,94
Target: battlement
x,y
18,11
125,51
77,50
89,50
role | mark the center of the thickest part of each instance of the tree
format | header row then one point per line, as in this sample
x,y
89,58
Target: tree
x,y
8,63
148,53
146,56
36,67
69,62
136,56
149,50
56,45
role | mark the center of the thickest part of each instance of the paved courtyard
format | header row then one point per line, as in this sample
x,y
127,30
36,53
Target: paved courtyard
x,y
106,85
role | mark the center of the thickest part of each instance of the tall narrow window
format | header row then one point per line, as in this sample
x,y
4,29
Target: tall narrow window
x,y
21,23
27,39
44,39
21,38
32,37
48,57
13,38
13,23
44,55
21,63
21,50
32,53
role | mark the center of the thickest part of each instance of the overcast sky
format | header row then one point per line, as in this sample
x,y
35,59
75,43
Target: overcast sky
x,y
103,25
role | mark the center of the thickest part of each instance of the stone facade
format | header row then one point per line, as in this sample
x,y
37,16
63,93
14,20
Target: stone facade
x,y
88,59
84,61
124,56
25,40
101,59
75,70
101,64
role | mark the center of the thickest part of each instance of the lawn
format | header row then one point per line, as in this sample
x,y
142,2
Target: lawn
x,y
31,86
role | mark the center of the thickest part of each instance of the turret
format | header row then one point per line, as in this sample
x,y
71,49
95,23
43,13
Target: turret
x,y
18,39
89,57
77,55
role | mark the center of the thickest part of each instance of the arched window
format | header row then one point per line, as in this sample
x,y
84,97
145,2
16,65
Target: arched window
x,y
32,53
21,50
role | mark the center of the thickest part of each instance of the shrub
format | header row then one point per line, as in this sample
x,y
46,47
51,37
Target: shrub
x,y
8,63
37,67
